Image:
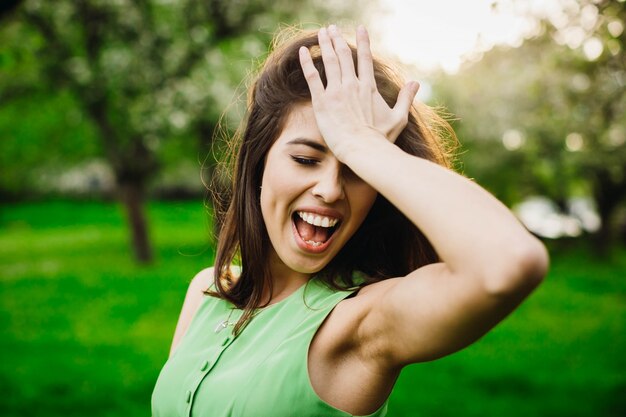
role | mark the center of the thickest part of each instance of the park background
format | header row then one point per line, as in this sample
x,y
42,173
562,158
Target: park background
x,y
111,115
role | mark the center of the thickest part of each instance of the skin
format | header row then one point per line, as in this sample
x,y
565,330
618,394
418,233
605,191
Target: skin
x,y
490,263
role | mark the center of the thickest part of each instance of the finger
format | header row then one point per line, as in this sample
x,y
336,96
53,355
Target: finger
x,y
311,75
405,99
364,55
344,54
331,63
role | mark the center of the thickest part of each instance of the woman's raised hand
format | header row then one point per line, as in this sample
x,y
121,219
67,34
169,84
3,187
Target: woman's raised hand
x,y
350,105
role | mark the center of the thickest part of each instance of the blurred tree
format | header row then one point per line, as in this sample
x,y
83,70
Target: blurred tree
x,y
7,6
549,117
142,72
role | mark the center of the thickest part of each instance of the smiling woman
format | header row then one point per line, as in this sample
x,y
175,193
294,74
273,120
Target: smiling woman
x,y
360,252
280,114
302,175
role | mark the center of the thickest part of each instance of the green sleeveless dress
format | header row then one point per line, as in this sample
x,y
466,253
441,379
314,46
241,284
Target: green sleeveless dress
x,y
260,373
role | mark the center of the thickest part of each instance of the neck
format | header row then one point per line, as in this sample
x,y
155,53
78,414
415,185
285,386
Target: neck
x,y
284,280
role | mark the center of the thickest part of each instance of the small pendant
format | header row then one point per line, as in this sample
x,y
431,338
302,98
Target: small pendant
x,y
221,326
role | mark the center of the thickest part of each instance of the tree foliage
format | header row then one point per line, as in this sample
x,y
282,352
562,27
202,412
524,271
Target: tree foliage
x,y
134,76
549,117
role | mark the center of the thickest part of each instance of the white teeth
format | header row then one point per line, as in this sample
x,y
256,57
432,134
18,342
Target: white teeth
x,y
317,220
313,243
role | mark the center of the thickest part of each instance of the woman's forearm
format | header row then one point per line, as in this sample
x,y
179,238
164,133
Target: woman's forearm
x,y
471,230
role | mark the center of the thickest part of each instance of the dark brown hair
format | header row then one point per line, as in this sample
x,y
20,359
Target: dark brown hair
x,y
386,245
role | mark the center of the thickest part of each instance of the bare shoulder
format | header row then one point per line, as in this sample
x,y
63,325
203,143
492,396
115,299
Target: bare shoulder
x,y
195,292
203,279
354,308
340,333
356,327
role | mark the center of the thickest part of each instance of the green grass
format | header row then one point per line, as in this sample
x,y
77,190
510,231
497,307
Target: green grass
x,y
84,331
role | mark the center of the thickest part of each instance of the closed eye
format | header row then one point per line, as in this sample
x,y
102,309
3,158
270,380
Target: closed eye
x,y
304,161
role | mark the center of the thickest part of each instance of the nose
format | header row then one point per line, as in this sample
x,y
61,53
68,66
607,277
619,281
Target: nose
x,y
329,186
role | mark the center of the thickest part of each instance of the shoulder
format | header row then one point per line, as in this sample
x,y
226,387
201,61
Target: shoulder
x,y
202,280
195,293
354,308
341,332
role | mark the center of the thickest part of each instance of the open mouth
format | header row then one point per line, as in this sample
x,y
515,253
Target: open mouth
x,y
314,232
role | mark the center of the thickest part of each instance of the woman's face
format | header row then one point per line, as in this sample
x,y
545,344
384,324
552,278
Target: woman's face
x,y
311,203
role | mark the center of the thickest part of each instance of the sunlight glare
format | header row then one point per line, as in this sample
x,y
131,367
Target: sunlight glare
x,y
443,34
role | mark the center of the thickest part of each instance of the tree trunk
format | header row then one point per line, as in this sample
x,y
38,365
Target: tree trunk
x,y
132,197
608,195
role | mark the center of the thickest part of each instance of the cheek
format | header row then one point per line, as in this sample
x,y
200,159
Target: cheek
x,y
278,190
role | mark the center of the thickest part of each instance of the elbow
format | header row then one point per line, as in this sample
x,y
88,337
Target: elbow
x,y
534,262
522,272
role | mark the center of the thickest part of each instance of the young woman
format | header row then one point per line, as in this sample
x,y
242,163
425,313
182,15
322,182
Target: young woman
x,y
360,251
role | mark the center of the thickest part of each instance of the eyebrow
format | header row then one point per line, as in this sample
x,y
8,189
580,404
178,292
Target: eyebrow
x,y
309,142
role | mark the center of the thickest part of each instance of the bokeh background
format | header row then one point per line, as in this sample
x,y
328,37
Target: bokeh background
x,y
111,115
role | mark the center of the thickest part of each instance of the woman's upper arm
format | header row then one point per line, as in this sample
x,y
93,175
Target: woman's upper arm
x,y
433,311
193,298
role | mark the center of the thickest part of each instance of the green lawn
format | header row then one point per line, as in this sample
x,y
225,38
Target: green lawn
x,y
84,331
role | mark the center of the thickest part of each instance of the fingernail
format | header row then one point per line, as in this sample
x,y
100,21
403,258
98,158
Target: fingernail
x,y
361,29
332,29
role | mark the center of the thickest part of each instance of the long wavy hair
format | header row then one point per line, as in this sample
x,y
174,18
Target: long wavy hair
x,y
386,245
